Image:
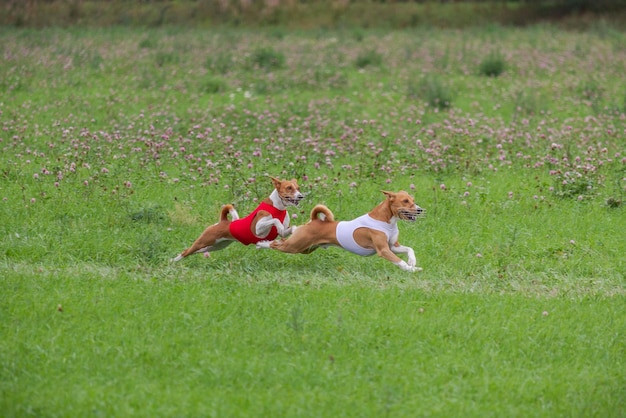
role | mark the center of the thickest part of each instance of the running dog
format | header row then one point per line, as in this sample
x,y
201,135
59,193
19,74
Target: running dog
x,y
269,220
373,233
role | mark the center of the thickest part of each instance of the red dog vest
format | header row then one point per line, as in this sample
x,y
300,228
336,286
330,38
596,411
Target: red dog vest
x,y
241,228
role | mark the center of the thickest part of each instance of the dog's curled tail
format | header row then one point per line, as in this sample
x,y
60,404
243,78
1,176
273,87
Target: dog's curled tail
x,y
228,210
323,213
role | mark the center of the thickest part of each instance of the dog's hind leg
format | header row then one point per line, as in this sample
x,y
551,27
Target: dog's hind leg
x,y
214,238
289,245
204,247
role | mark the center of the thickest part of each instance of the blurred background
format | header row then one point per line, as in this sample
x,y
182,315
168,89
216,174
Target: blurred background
x,y
311,14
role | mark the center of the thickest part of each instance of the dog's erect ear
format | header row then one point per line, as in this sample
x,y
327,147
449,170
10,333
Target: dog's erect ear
x,y
275,182
390,195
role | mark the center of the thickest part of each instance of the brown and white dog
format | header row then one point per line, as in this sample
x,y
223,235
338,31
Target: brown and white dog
x,y
373,233
266,222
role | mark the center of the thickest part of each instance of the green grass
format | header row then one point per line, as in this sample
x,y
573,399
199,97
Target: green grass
x,y
119,146
277,346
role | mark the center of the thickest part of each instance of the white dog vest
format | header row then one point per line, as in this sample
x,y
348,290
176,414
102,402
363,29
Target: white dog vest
x,y
345,233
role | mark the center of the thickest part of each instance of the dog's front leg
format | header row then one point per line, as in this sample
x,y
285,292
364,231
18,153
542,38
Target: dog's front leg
x,y
385,251
265,224
286,229
410,254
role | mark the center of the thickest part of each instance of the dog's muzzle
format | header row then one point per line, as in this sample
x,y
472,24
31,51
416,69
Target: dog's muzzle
x,y
411,215
293,200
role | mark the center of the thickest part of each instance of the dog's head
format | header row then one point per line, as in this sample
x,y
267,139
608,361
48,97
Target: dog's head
x,y
402,206
288,191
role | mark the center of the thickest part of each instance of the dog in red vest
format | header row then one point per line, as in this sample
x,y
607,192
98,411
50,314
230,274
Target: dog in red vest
x,y
269,220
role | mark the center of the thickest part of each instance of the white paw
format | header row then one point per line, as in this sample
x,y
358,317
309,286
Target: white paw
x,y
263,245
407,267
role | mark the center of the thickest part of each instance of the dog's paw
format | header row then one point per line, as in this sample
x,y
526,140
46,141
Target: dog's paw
x,y
263,245
407,267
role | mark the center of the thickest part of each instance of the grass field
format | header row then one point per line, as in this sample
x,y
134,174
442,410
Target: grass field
x,y
119,146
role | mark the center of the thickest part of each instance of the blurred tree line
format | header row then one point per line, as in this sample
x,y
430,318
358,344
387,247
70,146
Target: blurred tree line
x,y
306,13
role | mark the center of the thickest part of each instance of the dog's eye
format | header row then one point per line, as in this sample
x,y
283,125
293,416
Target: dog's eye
x,y
405,201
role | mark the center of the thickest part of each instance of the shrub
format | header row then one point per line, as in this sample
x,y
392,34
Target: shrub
x,y
527,103
590,90
149,214
358,35
166,58
212,85
592,93
574,185
148,43
220,63
432,90
268,59
368,58
579,177
493,65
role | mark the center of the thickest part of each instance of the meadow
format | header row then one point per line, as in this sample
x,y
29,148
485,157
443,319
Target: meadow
x,y
119,146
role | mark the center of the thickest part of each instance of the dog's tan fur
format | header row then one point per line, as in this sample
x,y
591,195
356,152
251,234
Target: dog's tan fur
x,y
322,232
217,236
